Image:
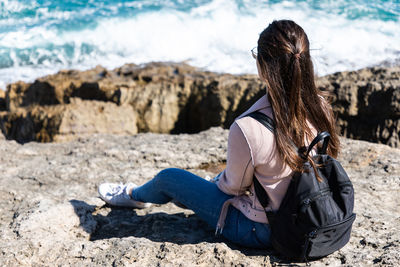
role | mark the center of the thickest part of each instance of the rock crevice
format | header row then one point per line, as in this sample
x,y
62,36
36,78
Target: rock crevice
x,y
178,98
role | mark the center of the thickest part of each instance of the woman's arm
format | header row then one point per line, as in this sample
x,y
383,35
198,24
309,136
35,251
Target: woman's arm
x,y
238,175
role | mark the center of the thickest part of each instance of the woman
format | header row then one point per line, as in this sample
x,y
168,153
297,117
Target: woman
x,y
229,202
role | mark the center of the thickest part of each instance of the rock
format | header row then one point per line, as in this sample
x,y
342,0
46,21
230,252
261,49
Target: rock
x,y
68,121
367,103
166,97
50,215
3,104
58,89
177,98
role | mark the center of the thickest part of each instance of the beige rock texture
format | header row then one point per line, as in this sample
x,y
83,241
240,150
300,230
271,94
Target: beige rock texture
x,y
367,103
178,98
57,123
165,97
50,214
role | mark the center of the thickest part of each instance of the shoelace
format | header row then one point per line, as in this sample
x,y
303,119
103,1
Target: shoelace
x,y
117,189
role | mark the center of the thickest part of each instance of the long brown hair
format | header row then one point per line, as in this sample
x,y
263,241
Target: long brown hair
x,y
285,65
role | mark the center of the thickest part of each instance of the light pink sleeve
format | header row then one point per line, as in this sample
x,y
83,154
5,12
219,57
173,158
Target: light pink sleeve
x,y
238,175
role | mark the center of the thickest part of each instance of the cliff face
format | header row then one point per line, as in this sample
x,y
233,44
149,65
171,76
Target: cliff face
x,y
50,214
176,98
159,97
367,103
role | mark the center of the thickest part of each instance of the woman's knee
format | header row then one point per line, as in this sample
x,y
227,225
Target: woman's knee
x,y
169,174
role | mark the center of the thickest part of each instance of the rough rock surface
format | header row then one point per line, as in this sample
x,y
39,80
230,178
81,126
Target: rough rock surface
x,y
50,215
57,123
367,103
176,98
165,97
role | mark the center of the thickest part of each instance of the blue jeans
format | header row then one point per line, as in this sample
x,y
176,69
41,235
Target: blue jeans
x,y
206,200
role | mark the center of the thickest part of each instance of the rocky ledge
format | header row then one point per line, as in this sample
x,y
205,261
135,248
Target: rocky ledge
x,y
50,214
178,98
367,103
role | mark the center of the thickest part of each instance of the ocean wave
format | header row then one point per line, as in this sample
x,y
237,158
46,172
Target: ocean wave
x,y
216,35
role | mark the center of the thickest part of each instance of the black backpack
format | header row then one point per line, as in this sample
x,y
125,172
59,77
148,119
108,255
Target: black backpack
x,y
314,218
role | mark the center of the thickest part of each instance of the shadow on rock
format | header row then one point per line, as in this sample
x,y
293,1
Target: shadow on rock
x,y
84,212
178,228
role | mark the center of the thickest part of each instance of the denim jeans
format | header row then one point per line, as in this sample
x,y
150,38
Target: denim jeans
x,y
206,200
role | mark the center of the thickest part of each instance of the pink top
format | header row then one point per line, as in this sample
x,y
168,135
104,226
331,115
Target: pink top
x,y
252,150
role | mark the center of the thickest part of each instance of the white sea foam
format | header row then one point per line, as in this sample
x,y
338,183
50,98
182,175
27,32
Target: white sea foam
x,y
9,6
217,36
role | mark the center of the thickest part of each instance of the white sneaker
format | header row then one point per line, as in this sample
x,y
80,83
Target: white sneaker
x,y
117,195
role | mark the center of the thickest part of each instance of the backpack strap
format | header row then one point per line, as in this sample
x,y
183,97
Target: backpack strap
x,y
262,196
265,120
321,136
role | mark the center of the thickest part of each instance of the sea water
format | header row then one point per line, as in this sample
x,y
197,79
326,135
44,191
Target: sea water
x,y
39,37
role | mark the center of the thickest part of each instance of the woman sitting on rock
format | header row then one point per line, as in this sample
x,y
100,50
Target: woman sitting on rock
x,y
299,111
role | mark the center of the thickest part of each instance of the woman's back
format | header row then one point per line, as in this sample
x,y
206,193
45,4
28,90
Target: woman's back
x,y
252,151
284,64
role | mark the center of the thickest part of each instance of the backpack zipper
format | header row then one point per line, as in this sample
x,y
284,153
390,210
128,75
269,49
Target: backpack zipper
x,y
306,202
309,236
338,223
316,194
345,184
313,234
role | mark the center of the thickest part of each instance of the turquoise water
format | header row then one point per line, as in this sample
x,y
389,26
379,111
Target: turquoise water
x,y
42,37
